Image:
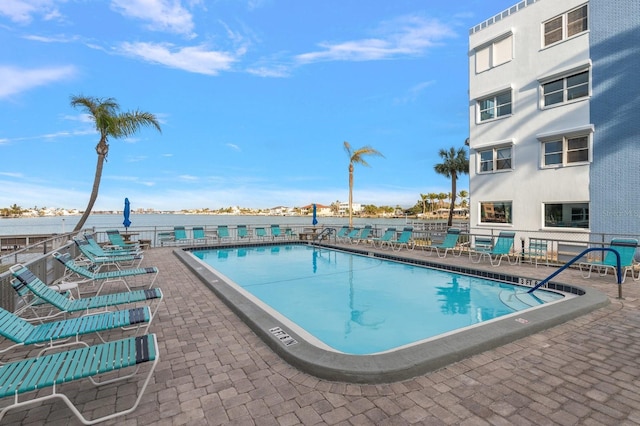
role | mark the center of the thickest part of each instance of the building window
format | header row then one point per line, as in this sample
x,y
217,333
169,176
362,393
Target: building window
x,y
566,89
495,106
496,212
565,150
495,53
495,159
566,215
565,26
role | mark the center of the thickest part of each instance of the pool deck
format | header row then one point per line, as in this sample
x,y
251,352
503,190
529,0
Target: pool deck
x,y
214,370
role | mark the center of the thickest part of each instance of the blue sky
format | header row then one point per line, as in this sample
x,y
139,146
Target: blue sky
x,y
255,99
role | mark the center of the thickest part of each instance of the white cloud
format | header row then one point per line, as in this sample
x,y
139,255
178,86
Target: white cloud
x,y
196,59
16,80
414,92
23,11
406,36
162,15
233,146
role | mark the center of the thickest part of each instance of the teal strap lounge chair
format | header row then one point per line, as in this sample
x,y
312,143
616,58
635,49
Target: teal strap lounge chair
x,y
290,234
537,251
404,240
388,235
626,248
261,233
243,232
275,232
117,241
56,333
353,233
199,235
109,250
180,235
25,280
34,375
495,252
363,235
99,260
449,244
342,233
223,233
124,276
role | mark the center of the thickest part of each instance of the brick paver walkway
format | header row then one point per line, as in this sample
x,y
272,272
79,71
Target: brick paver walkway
x,y
214,370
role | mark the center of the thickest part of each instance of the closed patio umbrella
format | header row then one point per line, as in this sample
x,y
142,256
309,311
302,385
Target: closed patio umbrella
x,y
315,219
127,213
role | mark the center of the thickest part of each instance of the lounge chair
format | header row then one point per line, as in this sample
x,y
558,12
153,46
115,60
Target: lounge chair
x,y
537,251
502,248
56,333
110,250
98,259
52,371
180,235
290,234
243,232
223,233
404,240
199,235
261,233
25,280
449,244
353,233
275,231
386,237
342,233
118,242
363,235
87,277
626,248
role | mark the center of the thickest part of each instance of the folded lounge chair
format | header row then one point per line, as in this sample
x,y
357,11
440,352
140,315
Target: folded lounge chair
x,y
386,237
55,333
52,371
25,280
404,240
495,252
94,278
626,248
117,241
449,244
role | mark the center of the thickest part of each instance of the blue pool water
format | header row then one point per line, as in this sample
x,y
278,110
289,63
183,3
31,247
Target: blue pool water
x,y
363,305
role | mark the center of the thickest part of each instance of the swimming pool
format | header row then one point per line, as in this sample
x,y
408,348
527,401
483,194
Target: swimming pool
x,y
357,312
363,305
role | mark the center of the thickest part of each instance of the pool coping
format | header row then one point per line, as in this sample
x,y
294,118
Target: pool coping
x,y
406,362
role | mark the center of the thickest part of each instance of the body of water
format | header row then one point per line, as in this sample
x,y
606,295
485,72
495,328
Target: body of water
x,y
62,224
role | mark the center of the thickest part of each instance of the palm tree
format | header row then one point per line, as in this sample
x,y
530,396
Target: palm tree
x,y
432,198
109,122
423,198
454,163
356,157
463,194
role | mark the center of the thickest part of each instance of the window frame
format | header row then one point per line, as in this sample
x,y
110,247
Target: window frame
x,y
490,48
495,159
566,150
565,26
495,108
505,216
566,89
576,219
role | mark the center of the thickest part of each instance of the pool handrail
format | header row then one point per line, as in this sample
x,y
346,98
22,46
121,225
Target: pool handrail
x,y
578,257
327,231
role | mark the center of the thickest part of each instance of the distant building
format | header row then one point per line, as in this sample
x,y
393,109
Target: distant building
x,y
343,208
554,117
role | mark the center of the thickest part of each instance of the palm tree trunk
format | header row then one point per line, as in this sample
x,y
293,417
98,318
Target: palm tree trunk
x,y
94,193
350,195
454,178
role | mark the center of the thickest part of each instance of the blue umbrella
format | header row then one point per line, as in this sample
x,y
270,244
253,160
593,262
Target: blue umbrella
x,y
127,212
315,220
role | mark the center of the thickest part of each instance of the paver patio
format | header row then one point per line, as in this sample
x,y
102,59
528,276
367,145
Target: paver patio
x,y
214,370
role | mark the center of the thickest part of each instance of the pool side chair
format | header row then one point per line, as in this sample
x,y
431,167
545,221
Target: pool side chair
x,y
626,248
57,334
109,250
89,278
276,232
180,235
388,235
363,236
290,234
223,233
199,235
404,240
537,251
34,375
495,252
261,233
25,280
98,260
243,232
342,233
353,233
448,245
117,241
